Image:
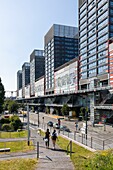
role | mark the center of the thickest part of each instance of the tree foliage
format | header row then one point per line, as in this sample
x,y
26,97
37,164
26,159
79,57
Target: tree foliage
x,y
6,103
47,110
65,109
15,122
83,111
13,106
2,96
11,123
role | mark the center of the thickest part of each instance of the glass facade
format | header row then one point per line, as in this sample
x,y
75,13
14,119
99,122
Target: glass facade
x,y
25,76
36,68
95,29
59,49
19,80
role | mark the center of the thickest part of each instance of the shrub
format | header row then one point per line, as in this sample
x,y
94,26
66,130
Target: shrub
x,y
7,127
16,122
101,162
5,120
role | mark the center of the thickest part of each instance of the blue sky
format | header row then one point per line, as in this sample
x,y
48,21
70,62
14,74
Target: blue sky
x,y
23,24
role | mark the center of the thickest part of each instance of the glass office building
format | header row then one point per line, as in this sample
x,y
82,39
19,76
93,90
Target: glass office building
x,y
25,76
60,46
19,81
95,31
36,68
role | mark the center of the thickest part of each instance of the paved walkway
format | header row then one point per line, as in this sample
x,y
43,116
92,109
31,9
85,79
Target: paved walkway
x,y
50,159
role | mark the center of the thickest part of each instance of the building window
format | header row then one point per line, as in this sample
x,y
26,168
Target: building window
x,y
103,69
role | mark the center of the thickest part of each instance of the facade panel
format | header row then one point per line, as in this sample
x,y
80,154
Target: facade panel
x,y
66,79
39,87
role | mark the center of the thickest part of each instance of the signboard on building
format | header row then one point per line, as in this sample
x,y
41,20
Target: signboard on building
x,y
66,79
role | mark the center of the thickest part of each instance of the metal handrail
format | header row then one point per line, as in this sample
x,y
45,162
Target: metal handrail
x,y
70,144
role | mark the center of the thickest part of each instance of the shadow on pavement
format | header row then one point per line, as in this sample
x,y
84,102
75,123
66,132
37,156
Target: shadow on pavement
x,y
59,150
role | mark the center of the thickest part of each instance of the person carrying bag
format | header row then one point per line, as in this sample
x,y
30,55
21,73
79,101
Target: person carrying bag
x,y
46,138
54,137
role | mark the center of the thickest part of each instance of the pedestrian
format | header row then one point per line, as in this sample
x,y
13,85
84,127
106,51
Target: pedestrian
x,y
76,125
46,138
54,137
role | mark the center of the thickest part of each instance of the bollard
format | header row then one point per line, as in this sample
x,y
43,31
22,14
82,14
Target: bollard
x,y
82,138
37,150
68,134
91,142
71,148
63,131
103,144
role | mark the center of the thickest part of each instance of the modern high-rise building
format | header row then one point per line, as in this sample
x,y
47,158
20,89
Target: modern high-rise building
x,y
25,76
19,81
60,46
95,32
37,63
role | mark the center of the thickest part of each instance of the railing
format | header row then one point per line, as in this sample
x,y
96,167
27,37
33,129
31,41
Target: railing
x,y
69,150
94,142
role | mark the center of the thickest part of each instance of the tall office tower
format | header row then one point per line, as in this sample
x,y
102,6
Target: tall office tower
x,y
25,76
36,68
19,81
60,46
95,31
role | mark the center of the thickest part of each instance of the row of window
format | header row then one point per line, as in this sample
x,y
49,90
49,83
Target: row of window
x,y
99,55
92,39
93,64
93,72
94,16
100,3
99,47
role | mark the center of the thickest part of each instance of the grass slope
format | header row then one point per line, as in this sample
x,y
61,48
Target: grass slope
x,y
84,159
18,164
13,134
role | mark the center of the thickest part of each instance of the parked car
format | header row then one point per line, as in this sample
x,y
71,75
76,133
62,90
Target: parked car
x,y
50,123
55,125
64,128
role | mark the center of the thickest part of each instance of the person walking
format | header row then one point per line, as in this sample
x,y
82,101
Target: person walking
x,y
54,137
46,138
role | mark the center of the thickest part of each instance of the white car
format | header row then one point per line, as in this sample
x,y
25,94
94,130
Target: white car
x,y
55,125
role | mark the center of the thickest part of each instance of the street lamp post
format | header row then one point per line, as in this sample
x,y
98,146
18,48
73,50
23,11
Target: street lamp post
x,y
86,123
38,117
28,141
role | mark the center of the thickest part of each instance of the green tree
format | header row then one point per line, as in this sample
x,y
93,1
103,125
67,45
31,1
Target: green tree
x,y
65,109
15,122
47,110
13,106
2,96
83,111
6,103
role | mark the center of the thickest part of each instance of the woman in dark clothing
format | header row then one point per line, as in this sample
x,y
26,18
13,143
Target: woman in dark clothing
x,y
47,136
54,137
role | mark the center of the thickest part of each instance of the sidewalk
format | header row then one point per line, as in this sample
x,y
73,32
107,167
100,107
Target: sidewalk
x,y
50,159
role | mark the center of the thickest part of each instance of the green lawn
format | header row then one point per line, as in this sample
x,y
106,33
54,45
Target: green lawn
x,y
84,159
80,154
18,164
13,134
17,146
